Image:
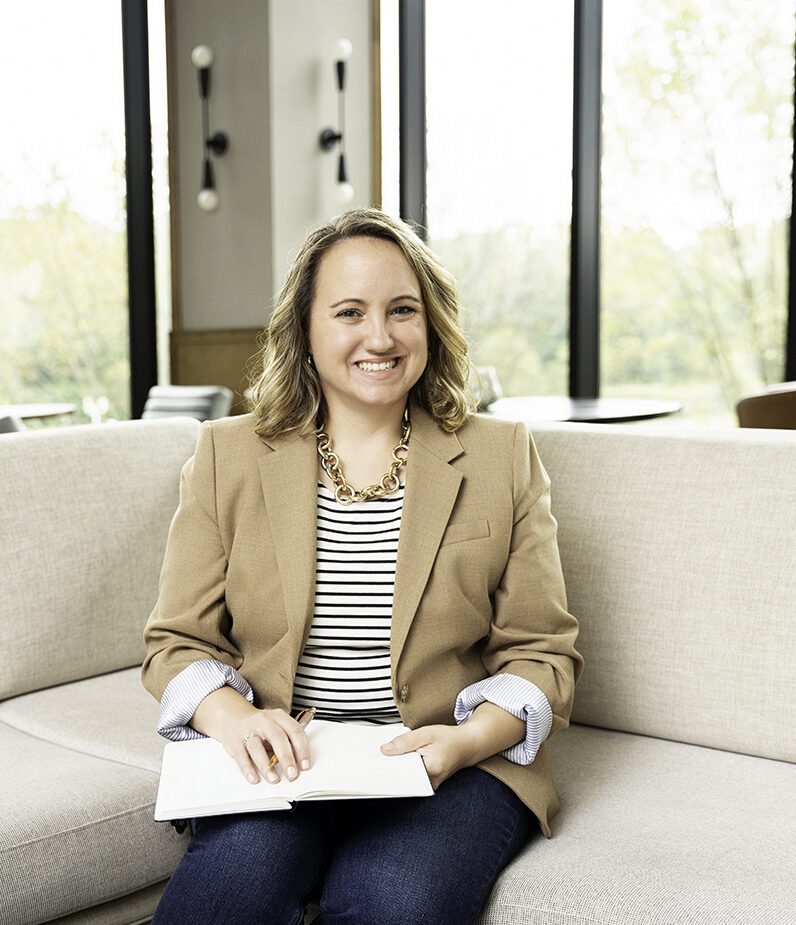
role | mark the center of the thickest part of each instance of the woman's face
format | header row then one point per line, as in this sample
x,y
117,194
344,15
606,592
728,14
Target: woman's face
x,y
368,330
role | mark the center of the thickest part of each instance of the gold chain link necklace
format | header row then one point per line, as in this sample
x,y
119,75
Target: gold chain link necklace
x,y
389,484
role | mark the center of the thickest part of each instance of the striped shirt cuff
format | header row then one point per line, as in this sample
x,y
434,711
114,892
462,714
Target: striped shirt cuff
x,y
188,689
517,696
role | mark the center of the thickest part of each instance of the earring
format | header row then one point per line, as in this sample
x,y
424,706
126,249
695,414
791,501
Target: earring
x,y
310,360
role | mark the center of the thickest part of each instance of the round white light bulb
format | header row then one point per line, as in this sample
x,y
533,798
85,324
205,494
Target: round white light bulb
x,y
343,49
345,193
208,200
202,56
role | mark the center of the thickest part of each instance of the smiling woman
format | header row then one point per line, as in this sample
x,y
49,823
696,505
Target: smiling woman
x,y
432,599
287,393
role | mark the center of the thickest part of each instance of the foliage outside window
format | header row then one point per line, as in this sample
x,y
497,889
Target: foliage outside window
x,y
63,267
63,243
695,187
63,306
697,146
499,148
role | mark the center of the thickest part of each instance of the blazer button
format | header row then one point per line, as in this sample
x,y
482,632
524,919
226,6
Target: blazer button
x,y
404,693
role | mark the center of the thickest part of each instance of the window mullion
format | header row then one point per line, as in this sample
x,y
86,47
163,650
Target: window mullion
x,y
584,332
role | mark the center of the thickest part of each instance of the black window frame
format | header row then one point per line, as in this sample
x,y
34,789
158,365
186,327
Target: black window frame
x,y
140,212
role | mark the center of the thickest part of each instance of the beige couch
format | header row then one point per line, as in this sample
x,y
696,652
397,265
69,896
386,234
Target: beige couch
x,y
678,782
677,779
84,513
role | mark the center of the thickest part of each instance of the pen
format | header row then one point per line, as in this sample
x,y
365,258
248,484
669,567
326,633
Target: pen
x,y
303,719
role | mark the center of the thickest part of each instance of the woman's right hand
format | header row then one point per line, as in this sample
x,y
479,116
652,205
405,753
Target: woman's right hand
x,y
252,737
253,741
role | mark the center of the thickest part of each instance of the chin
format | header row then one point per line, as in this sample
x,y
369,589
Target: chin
x,y
385,399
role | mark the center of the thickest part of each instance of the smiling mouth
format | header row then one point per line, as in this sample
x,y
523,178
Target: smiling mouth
x,y
377,367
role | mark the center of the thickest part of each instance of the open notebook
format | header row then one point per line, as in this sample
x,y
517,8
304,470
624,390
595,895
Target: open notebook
x,y
198,778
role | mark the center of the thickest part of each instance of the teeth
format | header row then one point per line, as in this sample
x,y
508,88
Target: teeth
x,y
377,367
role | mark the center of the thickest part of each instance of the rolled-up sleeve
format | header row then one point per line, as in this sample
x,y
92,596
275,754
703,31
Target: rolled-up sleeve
x,y
188,689
521,698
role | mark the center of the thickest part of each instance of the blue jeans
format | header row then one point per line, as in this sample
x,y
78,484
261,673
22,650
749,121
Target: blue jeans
x,y
409,861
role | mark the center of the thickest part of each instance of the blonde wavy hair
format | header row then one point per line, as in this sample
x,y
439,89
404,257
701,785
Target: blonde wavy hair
x,y
286,392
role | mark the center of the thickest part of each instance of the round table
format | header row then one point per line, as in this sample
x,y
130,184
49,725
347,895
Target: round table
x,y
584,410
40,410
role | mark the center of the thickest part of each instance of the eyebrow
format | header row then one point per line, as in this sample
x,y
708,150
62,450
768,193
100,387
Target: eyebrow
x,y
398,298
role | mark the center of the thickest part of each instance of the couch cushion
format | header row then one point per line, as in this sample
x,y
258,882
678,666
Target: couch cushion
x,y
678,554
110,716
135,909
656,833
83,527
68,818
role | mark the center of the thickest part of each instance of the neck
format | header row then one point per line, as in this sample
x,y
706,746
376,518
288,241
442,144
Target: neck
x,y
346,426
364,444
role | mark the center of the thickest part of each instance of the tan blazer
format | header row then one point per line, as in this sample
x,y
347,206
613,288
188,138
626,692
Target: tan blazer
x,y
478,585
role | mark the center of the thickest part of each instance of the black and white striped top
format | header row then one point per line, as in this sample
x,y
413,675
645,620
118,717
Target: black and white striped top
x,y
344,670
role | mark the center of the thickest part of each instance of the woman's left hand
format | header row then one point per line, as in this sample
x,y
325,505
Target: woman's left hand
x,y
447,749
444,749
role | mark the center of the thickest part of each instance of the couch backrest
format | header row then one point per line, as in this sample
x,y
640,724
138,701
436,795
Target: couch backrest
x,y
679,553
84,515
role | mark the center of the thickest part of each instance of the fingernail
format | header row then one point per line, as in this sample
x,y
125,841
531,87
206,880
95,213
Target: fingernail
x,y
388,747
252,779
291,773
305,765
273,778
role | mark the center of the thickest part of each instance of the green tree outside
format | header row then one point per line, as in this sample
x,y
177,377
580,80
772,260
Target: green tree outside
x,y
698,117
63,309
697,144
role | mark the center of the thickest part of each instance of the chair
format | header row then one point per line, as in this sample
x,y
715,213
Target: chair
x,y
486,386
11,425
203,402
775,407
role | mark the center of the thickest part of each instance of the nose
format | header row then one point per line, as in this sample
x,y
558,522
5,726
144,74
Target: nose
x,y
377,334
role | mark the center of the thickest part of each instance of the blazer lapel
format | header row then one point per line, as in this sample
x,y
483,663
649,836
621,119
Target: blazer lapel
x,y
432,486
289,477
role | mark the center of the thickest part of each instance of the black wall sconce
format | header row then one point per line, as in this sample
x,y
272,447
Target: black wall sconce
x,y
215,144
329,137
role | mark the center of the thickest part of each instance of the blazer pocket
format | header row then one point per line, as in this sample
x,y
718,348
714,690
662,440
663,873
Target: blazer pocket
x,y
467,530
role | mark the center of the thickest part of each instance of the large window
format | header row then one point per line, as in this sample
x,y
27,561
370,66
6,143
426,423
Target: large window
x,y
63,216
697,121
695,184
63,269
499,147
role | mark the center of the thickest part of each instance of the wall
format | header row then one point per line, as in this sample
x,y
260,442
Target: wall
x,y
304,101
273,91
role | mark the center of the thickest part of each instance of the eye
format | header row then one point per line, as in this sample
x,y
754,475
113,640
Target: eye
x,y
404,310
348,313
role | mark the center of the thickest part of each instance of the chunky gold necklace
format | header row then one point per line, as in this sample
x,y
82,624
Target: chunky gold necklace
x,y
389,484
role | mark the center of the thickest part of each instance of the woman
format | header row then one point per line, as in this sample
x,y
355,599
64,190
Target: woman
x,y
362,544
